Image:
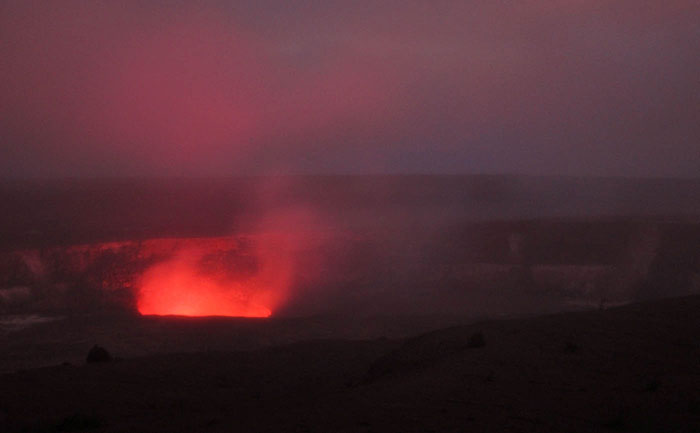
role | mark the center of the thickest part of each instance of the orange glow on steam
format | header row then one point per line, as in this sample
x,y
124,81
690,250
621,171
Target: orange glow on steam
x,y
178,288
246,276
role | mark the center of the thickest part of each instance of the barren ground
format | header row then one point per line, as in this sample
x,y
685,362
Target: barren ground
x,y
633,368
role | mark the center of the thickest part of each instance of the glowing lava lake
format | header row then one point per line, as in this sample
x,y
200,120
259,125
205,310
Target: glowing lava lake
x,y
216,277
176,288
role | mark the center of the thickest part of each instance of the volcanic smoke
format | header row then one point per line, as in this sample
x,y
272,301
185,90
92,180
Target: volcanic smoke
x,y
246,278
177,287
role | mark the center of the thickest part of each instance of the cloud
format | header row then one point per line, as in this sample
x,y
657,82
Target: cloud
x,y
582,87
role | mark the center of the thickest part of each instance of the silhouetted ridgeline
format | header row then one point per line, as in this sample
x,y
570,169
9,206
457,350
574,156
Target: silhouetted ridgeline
x,y
40,213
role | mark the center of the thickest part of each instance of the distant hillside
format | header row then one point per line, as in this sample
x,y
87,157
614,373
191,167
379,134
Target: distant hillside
x,y
81,211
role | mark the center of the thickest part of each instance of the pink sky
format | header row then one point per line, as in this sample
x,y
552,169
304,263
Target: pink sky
x,y
102,88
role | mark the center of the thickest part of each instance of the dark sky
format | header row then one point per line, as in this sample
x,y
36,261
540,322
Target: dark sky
x,y
137,88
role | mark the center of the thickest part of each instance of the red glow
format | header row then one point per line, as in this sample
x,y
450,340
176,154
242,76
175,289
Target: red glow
x,y
178,288
250,276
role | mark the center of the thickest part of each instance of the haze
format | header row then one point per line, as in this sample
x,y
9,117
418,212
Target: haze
x,y
344,216
104,89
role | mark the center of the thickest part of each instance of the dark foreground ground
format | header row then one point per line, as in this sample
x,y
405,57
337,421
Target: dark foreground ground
x,y
633,368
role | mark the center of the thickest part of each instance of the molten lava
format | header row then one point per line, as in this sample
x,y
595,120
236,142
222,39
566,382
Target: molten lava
x,y
246,276
178,287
